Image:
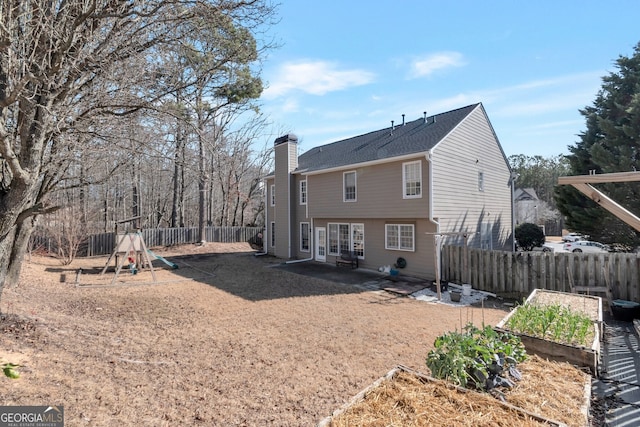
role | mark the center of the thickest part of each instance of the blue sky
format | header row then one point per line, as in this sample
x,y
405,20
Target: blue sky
x,y
349,67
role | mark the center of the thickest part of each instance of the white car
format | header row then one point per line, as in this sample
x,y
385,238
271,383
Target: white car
x,y
585,246
573,237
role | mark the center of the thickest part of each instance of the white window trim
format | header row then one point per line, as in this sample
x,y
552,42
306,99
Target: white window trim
x,y
344,187
308,237
303,200
404,180
353,241
350,247
399,248
272,189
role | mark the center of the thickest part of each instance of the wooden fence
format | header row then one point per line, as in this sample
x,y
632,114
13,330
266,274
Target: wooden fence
x,y
519,273
104,243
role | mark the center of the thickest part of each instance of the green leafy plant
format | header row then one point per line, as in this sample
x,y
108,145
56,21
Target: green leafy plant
x,y
9,370
553,322
478,358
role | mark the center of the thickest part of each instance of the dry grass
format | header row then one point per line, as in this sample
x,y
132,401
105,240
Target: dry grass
x,y
550,390
222,341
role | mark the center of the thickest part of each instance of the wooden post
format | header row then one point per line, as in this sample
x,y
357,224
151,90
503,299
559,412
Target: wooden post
x,y
436,259
465,266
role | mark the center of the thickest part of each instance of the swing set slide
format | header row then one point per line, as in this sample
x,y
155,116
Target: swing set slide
x,y
166,261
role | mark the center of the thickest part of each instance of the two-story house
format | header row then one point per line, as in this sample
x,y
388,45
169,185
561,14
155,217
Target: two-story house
x,y
386,194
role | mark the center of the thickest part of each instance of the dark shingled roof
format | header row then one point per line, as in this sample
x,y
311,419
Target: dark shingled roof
x,y
412,137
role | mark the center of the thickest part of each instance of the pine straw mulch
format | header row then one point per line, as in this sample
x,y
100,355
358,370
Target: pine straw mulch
x,y
549,392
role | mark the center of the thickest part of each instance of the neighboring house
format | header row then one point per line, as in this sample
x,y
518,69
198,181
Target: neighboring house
x,y
525,205
385,194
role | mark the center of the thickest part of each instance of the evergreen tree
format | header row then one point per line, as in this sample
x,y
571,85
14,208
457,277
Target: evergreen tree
x,y
610,143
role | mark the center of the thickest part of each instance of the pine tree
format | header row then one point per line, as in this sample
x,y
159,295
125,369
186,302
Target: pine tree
x,y
610,143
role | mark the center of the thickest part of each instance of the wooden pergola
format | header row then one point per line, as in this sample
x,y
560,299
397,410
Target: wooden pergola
x,y
583,184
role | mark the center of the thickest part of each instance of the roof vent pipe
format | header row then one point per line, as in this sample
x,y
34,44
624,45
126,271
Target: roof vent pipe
x,y
425,116
392,127
403,120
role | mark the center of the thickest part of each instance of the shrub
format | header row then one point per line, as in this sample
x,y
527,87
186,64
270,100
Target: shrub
x,y
529,236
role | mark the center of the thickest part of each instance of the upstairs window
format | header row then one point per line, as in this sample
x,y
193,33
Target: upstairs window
x,y
412,179
349,186
303,192
272,189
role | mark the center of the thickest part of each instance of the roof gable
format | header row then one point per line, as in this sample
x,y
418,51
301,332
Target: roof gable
x,y
413,137
525,194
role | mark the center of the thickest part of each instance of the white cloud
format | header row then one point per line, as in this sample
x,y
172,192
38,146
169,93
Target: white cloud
x,y
290,105
422,67
538,97
316,78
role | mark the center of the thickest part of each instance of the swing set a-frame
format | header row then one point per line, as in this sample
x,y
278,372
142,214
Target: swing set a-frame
x,y
131,249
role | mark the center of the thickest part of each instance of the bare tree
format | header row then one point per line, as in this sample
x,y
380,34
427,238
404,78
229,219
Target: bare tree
x,y
69,70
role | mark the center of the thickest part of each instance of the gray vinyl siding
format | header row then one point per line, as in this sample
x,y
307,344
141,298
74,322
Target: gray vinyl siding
x,y
458,204
285,162
379,193
300,215
419,262
270,215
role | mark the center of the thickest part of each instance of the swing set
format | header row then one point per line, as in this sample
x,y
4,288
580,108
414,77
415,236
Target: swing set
x,y
131,250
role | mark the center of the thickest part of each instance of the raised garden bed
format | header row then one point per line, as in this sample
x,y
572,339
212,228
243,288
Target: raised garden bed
x,y
552,342
404,397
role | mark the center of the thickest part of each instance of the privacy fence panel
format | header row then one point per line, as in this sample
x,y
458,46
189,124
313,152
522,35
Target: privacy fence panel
x,y
519,273
104,243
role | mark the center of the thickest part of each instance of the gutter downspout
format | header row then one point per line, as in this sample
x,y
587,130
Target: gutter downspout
x,y
428,156
514,176
289,178
311,245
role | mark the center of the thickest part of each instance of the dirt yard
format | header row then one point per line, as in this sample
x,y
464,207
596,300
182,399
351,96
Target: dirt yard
x,y
222,341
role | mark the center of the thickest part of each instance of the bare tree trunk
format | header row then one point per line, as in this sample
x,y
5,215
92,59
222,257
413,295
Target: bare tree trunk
x,y
16,209
83,202
178,177
106,214
202,192
135,204
6,252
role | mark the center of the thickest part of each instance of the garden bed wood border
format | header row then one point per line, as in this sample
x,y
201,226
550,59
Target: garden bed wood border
x,y
576,355
326,422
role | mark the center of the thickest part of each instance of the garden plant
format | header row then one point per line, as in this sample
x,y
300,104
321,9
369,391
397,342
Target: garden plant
x,y
477,358
554,322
